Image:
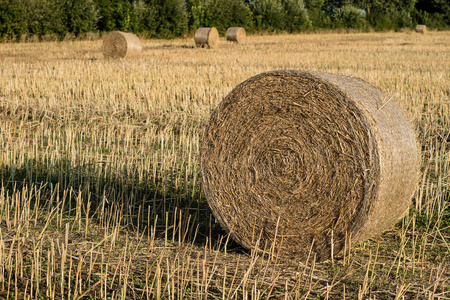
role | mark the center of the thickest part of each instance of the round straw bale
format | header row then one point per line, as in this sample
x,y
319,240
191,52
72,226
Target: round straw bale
x,y
119,44
421,29
298,161
206,37
236,34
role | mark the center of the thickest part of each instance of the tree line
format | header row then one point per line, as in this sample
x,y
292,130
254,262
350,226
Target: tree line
x,y
173,18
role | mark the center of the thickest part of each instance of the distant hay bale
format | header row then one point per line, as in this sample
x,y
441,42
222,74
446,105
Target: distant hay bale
x,y
120,44
421,29
236,34
206,37
307,161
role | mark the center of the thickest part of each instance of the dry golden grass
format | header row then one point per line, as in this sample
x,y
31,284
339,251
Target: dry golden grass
x,y
99,165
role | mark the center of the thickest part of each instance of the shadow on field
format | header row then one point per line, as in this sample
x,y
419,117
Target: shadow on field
x,y
178,46
109,194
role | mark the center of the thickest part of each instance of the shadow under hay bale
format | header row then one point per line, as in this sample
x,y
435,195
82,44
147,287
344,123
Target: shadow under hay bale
x,y
120,44
206,37
303,160
421,29
236,34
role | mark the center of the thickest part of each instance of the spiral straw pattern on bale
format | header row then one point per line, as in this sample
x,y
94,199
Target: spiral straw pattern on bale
x,y
120,44
206,37
299,160
236,34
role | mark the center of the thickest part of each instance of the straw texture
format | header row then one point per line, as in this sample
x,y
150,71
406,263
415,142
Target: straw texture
x,y
421,29
120,44
236,34
299,160
206,37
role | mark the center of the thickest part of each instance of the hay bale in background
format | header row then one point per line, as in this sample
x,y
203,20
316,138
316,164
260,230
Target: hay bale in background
x,y
307,159
421,29
119,44
206,37
236,34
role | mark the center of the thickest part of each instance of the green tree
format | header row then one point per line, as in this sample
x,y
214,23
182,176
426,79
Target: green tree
x,y
434,13
279,15
44,17
318,16
199,14
12,22
116,15
124,15
268,14
80,16
106,20
220,14
145,18
171,17
349,16
296,16
388,14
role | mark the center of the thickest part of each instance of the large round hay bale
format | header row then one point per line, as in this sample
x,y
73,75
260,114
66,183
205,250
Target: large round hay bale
x,y
296,160
206,37
118,44
236,34
421,29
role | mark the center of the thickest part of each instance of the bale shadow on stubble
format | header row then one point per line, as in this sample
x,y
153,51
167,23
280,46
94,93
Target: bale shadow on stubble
x,y
149,205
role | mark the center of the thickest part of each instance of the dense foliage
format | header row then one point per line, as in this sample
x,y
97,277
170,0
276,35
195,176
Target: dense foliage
x,y
171,18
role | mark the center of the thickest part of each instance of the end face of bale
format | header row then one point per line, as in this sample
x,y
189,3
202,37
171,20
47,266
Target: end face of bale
x,y
421,29
236,34
302,161
118,44
206,37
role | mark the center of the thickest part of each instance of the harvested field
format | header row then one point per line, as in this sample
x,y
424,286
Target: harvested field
x,y
100,171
